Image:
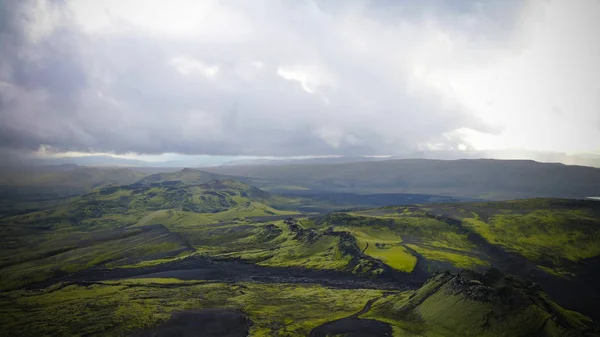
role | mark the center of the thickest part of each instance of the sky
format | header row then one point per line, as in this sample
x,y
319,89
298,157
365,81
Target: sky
x,y
158,80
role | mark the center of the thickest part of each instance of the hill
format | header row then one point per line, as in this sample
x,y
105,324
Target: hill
x,y
481,178
479,304
123,205
317,160
185,176
555,242
36,243
27,189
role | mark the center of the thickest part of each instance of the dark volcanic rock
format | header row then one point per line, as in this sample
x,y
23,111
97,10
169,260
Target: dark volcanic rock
x,y
353,327
205,323
493,286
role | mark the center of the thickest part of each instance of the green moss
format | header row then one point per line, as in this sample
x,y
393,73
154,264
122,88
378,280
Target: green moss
x,y
288,310
381,237
458,259
557,271
118,308
109,248
396,257
321,254
539,234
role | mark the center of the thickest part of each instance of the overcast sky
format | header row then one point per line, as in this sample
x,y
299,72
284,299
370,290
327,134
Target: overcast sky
x,y
298,78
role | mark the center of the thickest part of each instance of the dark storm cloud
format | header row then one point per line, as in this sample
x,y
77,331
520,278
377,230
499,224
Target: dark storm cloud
x,y
304,82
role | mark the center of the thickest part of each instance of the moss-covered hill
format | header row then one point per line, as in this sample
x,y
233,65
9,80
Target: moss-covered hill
x,y
120,225
553,234
555,242
118,206
479,304
185,176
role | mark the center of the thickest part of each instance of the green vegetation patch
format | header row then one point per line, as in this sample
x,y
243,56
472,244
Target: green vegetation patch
x,y
458,259
472,304
119,247
324,253
385,233
120,308
384,245
546,236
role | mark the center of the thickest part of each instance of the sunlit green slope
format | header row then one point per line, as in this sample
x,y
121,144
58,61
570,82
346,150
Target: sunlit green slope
x,y
473,304
551,233
123,225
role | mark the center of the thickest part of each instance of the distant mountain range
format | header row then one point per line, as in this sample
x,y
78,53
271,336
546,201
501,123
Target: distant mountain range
x,y
487,179
588,159
474,178
316,160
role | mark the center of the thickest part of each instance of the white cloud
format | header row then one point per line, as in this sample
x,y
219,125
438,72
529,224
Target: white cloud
x,y
187,65
541,89
301,77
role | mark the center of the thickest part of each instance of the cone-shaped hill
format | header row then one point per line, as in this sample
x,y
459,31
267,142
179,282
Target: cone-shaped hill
x,y
480,304
186,176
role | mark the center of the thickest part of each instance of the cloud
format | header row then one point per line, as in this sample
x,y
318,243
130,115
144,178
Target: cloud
x,y
543,91
277,78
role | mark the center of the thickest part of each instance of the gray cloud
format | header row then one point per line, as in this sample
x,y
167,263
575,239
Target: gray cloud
x,y
233,92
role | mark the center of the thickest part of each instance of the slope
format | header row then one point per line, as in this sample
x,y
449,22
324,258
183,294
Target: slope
x,y
186,176
479,304
554,242
118,206
37,245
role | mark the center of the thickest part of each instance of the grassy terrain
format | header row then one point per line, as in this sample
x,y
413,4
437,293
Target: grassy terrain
x,y
464,305
276,244
164,219
108,248
552,233
224,219
186,176
384,245
219,219
397,236
174,218
565,234
119,308
120,206
470,304
122,225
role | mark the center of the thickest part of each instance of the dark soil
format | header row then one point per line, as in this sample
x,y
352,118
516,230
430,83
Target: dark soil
x,y
205,323
353,327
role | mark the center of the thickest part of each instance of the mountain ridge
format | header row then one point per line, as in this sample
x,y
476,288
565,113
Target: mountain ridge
x,y
475,178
